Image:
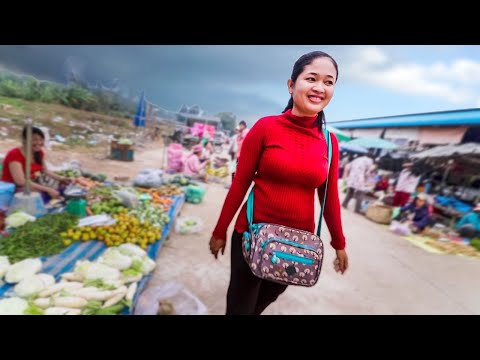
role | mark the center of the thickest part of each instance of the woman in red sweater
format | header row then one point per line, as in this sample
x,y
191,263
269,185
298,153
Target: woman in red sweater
x,y
14,170
286,156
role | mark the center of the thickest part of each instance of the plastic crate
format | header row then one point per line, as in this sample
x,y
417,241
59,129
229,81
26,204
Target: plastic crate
x,y
7,191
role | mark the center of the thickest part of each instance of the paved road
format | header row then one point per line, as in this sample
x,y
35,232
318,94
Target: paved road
x,y
387,275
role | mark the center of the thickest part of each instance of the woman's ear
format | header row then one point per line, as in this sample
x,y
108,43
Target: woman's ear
x,y
290,86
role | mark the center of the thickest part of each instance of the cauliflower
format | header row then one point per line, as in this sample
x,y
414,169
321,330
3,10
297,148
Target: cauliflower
x,y
22,269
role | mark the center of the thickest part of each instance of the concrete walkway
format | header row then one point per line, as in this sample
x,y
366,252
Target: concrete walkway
x,y
387,274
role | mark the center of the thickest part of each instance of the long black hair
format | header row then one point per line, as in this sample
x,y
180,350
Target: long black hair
x,y
298,68
37,155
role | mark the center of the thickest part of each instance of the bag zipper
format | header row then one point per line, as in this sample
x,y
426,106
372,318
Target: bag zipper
x,y
288,242
295,258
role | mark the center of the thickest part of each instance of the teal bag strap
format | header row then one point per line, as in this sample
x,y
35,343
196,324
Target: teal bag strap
x,y
250,196
326,133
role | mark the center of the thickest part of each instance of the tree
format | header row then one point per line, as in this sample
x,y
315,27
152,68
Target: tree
x,y
228,119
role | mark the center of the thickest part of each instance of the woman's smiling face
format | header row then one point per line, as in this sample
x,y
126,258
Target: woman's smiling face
x,y
314,87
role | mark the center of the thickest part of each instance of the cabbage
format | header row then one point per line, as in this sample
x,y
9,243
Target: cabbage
x,y
147,265
131,250
91,271
22,269
18,219
48,279
115,259
4,265
29,286
13,306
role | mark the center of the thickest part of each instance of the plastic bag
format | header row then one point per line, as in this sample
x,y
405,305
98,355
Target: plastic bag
x,y
188,225
149,178
399,228
179,299
127,197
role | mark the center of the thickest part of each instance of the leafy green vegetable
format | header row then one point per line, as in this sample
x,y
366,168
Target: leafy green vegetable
x,y
99,283
32,309
38,238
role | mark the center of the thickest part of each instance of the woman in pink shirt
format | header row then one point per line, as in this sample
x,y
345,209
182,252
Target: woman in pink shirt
x,y
194,167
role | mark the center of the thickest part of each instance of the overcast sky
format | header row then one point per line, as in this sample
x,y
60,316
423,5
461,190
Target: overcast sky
x,y
251,80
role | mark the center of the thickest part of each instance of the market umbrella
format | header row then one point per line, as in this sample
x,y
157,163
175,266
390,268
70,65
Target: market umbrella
x,y
341,135
353,148
373,143
139,118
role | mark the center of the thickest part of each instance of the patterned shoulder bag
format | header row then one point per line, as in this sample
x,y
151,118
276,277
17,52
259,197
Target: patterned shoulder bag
x,y
283,254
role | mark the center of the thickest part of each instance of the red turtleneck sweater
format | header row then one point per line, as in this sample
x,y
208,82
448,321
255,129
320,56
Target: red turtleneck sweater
x,y
286,157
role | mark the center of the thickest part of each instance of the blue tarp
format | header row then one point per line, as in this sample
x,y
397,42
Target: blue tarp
x,y
64,262
453,203
141,113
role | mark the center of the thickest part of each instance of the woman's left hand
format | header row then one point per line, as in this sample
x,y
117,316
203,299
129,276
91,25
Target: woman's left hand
x,y
341,262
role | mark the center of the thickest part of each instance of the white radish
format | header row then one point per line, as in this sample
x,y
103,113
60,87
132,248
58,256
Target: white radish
x,y
43,303
62,311
130,279
131,291
114,300
96,295
72,277
48,279
70,302
59,287
83,290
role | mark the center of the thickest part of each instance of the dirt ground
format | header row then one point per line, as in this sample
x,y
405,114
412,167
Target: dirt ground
x,y
387,274
95,160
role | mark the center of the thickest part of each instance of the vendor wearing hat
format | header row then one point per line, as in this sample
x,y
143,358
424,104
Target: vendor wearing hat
x,y
193,166
469,225
416,214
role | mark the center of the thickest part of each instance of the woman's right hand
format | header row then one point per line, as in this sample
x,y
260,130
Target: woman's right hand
x,y
216,245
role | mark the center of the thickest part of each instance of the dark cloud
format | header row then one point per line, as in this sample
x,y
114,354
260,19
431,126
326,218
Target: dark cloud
x,y
217,78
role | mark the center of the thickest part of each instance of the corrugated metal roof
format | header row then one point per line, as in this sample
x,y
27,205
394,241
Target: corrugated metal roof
x,y
442,118
449,150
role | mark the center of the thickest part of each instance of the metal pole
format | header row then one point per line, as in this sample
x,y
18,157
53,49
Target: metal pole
x,y
28,156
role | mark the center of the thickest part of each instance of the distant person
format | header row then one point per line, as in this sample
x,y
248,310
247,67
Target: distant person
x,y
382,184
406,185
286,157
469,225
242,133
357,175
416,214
193,166
14,167
207,150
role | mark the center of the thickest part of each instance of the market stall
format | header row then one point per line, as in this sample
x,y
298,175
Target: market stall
x,y
65,265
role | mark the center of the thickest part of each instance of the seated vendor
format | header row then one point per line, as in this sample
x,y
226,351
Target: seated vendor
x,y
13,170
193,166
416,214
469,225
207,150
382,184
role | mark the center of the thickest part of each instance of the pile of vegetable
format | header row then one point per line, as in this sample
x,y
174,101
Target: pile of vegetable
x,y
103,287
38,238
475,243
127,229
150,214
